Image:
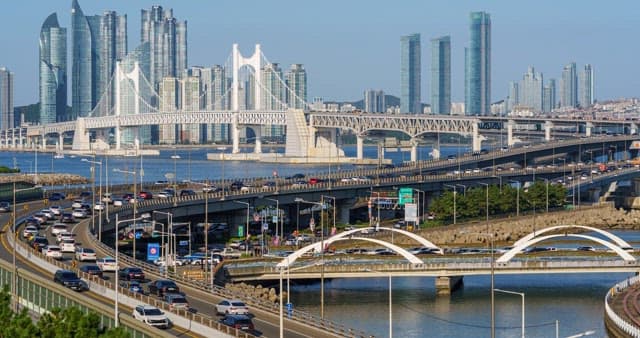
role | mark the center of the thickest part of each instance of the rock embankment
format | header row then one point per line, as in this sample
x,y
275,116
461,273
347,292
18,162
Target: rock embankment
x,y
45,179
256,291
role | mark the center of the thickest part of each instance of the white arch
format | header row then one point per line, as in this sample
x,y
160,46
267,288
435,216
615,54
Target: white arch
x,y
255,61
316,246
518,248
287,261
621,242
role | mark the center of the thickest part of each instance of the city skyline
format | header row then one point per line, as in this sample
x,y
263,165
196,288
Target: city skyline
x,y
557,39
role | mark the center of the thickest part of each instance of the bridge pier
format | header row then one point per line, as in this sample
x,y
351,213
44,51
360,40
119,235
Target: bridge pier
x,y
510,125
445,285
548,125
587,129
359,147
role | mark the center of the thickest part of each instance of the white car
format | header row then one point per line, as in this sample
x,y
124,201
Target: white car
x,y
29,230
99,206
107,264
52,251
68,245
85,254
79,213
117,202
48,213
151,315
64,235
77,204
57,228
56,210
234,307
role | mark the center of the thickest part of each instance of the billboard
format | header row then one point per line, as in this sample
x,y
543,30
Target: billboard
x,y
411,212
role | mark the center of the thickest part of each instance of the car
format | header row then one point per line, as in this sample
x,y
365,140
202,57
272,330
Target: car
x,y
314,180
68,245
268,185
235,307
126,197
77,204
107,264
585,248
70,280
42,218
161,182
187,192
117,202
209,188
5,206
297,176
299,184
176,301
39,242
133,286
131,273
52,251
64,235
56,196
151,315
48,213
67,217
86,194
79,213
145,195
56,210
91,270
241,322
29,230
57,228
161,287
166,194
85,254
99,206
237,185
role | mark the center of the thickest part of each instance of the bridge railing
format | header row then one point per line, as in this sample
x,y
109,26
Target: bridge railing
x,y
625,326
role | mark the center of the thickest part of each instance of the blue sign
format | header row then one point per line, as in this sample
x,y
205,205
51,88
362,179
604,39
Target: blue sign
x,y
290,309
138,235
153,251
183,243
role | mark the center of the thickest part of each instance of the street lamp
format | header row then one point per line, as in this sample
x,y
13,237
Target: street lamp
x,y
464,189
15,235
246,246
454,201
207,266
521,294
390,301
134,220
281,299
321,204
135,204
490,234
420,202
279,220
93,196
517,196
170,231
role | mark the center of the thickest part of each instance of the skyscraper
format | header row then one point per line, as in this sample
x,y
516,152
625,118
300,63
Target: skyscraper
x,y
569,86
374,101
478,65
274,95
586,86
169,93
514,95
53,71
96,43
549,96
297,84
410,74
190,101
441,75
531,90
6,99
167,39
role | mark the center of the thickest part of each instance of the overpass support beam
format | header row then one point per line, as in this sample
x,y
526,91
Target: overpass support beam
x,y
548,125
81,136
235,135
60,142
258,131
510,125
445,285
44,142
476,139
633,129
359,147
414,151
587,129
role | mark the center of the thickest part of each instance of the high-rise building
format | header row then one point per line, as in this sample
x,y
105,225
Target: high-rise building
x,y
297,84
410,74
374,101
531,90
215,89
96,43
586,86
132,99
167,39
190,101
169,101
53,71
274,96
549,96
478,65
514,95
6,99
569,86
441,75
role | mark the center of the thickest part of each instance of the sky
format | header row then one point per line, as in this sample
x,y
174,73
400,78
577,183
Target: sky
x,y
350,46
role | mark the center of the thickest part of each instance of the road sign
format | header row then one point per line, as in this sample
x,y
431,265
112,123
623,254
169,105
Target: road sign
x,y
289,309
153,251
240,231
183,243
405,195
275,219
265,226
411,212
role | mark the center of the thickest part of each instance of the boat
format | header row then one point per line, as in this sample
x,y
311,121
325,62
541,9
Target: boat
x,y
58,156
175,157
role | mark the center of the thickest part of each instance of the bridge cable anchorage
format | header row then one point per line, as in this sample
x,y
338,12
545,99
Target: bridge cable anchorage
x,y
305,104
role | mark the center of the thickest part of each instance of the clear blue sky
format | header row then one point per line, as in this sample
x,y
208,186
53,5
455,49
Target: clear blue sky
x,y
349,46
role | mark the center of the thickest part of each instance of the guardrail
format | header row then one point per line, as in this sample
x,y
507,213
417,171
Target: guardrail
x,y
628,328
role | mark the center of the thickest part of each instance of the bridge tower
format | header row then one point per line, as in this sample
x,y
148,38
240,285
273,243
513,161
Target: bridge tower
x,y
134,77
255,61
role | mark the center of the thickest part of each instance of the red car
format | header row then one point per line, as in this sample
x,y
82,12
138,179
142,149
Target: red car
x,y
145,195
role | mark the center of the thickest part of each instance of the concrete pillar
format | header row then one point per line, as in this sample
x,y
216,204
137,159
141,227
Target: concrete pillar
x,y
235,135
258,132
594,194
476,139
633,129
510,125
547,130
445,285
587,129
414,151
118,135
60,142
44,142
435,152
359,147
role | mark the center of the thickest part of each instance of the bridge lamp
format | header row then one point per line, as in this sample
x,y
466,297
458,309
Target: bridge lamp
x,y
517,196
135,206
93,195
388,274
246,231
521,294
454,200
207,266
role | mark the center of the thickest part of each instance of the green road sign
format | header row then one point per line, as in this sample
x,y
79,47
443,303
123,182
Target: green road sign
x,y
405,195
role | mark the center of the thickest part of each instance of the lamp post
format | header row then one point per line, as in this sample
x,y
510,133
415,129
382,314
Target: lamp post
x,y
135,205
321,204
490,234
94,197
15,236
206,227
547,191
115,286
390,300
170,231
278,219
464,189
454,200
280,296
246,231
420,202
521,294
517,196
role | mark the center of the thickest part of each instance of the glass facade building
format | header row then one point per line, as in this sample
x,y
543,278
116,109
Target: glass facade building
x,y
586,86
6,99
410,54
53,71
441,75
478,65
569,86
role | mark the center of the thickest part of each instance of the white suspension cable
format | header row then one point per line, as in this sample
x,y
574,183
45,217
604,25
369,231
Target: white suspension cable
x,y
305,104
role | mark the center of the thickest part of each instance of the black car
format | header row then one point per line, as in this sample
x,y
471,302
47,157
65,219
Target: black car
x,y
38,242
56,196
67,218
5,206
69,279
85,194
241,322
237,185
92,270
131,273
161,287
187,192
